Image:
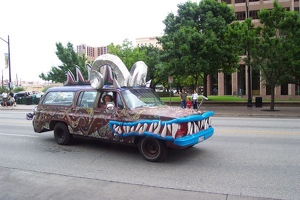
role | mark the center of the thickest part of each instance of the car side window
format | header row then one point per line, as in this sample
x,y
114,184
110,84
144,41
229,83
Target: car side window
x,y
114,97
104,98
119,102
59,98
86,99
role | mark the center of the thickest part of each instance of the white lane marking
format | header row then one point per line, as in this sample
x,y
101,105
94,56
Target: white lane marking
x,y
17,135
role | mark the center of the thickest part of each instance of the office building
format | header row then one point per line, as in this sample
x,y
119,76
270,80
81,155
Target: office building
x,y
237,83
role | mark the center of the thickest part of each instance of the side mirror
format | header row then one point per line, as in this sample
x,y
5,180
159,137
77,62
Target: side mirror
x,y
110,107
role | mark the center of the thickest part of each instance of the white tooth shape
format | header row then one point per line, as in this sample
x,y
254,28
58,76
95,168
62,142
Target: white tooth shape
x,y
169,128
203,124
209,120
199,124
141,131
196,128
189,128
114,126
151,127
145,127
154,125
120,130
127,129
164,131
132,129
156,131
138,127
174,129
206,125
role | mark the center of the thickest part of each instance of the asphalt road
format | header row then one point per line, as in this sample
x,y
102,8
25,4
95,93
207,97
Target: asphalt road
x,y
247,158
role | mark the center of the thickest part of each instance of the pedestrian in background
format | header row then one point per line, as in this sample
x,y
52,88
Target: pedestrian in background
x,y
189,103
183,96
12,99
195,99
4,98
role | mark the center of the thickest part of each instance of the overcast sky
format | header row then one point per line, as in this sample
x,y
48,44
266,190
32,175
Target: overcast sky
x,y
34,26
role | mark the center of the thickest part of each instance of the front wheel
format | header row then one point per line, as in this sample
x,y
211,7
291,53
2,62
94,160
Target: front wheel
x,y
152,149
61,134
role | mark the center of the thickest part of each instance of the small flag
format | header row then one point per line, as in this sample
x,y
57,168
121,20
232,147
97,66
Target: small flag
x,y
6,60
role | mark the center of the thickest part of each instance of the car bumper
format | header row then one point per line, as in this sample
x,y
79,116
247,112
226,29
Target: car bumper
x,y
193,139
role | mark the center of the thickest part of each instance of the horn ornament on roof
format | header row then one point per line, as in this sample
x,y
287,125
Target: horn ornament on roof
x,y
109,69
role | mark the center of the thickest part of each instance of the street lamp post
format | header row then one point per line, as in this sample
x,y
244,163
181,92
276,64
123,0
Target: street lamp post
x,y
249,104
9,67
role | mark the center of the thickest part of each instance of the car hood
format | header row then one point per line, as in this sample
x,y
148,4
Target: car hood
x,y
168,112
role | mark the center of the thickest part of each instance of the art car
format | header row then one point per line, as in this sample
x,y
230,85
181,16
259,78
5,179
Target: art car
x,y
117,105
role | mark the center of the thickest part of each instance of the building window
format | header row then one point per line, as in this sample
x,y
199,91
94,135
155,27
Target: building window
x,y
227,84
297,89
255,82
241,15
241,81
239,1
227,1
253,14
284,89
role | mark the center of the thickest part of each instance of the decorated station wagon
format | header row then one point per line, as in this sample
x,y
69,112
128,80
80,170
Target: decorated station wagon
x,y
117,105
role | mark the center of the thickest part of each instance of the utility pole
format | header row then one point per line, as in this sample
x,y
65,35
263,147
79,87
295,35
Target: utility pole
x,y
249,103
9,67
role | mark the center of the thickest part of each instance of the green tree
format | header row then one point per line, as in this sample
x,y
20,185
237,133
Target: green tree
x,y
194,41
156,71
126,52
242,35
277,51
69,59
18,89
149,54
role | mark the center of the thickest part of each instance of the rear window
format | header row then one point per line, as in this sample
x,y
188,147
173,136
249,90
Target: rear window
x,y
59,98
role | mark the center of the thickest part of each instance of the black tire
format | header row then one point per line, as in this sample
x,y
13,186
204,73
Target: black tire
x,y
61,134
152,149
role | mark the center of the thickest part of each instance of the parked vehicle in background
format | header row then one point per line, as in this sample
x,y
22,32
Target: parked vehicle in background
x,y
21,94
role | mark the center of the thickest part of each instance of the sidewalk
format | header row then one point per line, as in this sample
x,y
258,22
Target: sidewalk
x,y
222,111
244,111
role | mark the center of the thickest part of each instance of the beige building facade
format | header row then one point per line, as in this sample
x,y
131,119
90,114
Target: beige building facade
x,y
147,41
237,83
91,52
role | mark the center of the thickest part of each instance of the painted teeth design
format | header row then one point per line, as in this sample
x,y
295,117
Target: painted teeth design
x,y
174,129
164,130
145,127
209,120
141,130
138,127
157,129
189,128
132,129
151,128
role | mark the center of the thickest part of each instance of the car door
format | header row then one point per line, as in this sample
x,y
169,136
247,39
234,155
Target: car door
x,y
81,116
103,113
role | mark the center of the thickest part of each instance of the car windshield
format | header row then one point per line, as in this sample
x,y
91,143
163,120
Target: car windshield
x,y
141,97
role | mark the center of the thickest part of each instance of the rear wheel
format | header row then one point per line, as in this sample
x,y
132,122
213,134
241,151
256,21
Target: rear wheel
x,y
61,134
152,149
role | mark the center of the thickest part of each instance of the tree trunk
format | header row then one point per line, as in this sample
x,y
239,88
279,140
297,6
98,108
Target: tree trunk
x,y
272,98
205,85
